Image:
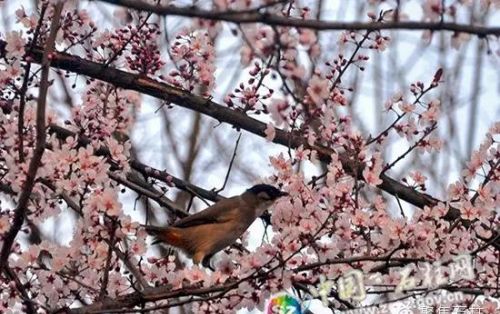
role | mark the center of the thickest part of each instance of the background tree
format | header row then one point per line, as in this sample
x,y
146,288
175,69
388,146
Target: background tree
x,y
380,118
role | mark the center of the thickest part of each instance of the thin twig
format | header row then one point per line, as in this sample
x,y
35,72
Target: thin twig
x,y
230,165
149,192
412,147
24,87
69,201
400,207
125,44
107,266
130,266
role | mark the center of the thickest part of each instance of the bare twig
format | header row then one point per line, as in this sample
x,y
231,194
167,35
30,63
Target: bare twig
x,y
400,207
230,165
166,177
412,147
400,116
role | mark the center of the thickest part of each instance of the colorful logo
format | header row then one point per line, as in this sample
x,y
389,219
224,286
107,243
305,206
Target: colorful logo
x,y
284,304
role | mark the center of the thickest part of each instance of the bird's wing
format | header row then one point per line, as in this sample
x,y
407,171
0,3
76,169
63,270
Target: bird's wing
x,y
219,212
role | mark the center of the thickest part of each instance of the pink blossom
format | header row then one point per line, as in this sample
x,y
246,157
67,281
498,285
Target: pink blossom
x,y
407,129
457,39
318,89
456,190
15,44
418,177
437,211
138,247
338,98
246,55
343,38
301,153
372,172
476,160
105,201
485,192
468,211
25,20
30,256
489,306
495,129
397,229
270,132
360,218
381,42
407,107
432,9
308,226
307,37
432,113
4,224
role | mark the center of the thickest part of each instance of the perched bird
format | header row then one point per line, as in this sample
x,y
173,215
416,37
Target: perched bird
x,y
207,232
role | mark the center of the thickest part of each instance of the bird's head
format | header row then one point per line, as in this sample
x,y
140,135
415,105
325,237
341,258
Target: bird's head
x,y
266,193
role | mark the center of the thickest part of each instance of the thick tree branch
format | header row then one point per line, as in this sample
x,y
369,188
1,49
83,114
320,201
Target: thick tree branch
x,y
254,16
149,295
237,119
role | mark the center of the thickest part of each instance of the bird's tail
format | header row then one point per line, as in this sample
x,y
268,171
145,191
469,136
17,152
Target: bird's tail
x,y
169,235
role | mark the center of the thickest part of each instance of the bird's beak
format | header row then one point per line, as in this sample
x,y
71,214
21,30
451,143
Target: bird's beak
x,y
283,194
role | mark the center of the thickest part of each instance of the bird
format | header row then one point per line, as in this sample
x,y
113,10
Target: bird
x,y
209,231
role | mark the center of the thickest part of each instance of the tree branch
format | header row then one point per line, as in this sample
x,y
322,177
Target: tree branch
x,y
143,284
142,188
223,114
168,178
254,16
36,160
146,170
